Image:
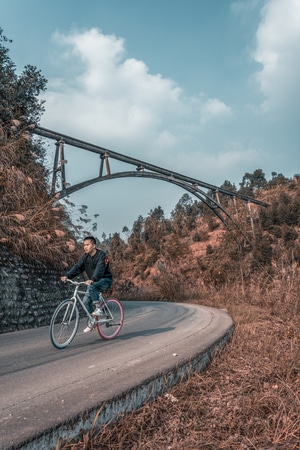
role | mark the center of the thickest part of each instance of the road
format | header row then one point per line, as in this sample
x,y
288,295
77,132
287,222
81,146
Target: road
x,y
44,389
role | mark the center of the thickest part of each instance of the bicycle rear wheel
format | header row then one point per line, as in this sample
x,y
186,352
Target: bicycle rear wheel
x,y
64,324
114,317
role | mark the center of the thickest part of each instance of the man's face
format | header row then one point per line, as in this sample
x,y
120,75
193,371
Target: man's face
x,y
89,247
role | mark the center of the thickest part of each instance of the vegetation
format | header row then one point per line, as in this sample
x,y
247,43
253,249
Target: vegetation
x,y
31,220
249,398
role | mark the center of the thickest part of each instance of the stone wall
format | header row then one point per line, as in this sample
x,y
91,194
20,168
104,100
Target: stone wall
x,y
29,293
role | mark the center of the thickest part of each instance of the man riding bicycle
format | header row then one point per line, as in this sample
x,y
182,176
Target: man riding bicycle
x,y
96,265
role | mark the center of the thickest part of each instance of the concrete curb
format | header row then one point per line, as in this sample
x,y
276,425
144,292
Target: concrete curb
x,y
126,402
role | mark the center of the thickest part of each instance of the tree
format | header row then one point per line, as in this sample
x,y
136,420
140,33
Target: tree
x,y
154,229
116,247
277,180
225,199
228,186
253,181
20,105
184,214
30,220
135,239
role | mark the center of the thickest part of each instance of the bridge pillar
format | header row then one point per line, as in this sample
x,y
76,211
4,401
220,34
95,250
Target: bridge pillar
x,y
59,166
55,168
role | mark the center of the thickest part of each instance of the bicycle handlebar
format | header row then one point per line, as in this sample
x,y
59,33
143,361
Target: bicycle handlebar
x,y
75,282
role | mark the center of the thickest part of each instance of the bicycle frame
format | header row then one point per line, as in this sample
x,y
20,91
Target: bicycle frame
x,y
76,297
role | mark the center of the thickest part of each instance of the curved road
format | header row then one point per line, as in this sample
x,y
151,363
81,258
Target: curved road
x,y
43,390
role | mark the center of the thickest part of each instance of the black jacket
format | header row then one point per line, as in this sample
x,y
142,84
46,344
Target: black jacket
x,y
96,267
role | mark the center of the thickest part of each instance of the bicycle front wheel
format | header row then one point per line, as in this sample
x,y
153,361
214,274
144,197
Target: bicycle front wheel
x,y
64,324
111,321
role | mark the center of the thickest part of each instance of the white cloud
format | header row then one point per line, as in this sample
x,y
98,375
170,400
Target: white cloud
x,y
102,94
213,109
277,51
112,96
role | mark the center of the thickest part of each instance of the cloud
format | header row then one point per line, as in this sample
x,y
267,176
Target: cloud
x,y
110,95
277,52
240,7
101,93
213,109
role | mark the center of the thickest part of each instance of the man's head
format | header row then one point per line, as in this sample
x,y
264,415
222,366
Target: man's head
x,y
90,238
89,245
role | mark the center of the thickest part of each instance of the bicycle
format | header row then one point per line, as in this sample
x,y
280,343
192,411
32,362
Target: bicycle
x,y
65,319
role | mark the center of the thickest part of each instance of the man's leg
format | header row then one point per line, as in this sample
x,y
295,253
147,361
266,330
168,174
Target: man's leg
x,y
89,306
99,286
88,301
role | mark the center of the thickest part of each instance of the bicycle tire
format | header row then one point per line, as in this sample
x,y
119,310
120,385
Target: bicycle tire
x,y
110,329
63,328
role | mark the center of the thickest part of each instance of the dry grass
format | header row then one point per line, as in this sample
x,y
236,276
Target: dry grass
x,y
249,397
31,221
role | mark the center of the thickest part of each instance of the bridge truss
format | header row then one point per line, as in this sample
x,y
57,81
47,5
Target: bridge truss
x,y
207,193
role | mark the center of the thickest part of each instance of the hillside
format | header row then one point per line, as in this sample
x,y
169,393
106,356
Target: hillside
x,y
249,398
196,249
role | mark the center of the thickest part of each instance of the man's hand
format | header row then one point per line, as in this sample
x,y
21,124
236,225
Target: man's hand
x,y
63,279
88,282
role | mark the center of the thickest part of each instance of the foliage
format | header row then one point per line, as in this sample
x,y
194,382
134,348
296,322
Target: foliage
x,y
19,94
170,281
154,229
135,239
277,180
285,209
252,182
184,215
31,222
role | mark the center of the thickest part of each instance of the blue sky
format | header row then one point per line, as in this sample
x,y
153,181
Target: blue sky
x,y
207,88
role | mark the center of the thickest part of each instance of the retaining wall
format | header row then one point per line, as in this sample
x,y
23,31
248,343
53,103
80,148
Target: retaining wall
x,y
29,293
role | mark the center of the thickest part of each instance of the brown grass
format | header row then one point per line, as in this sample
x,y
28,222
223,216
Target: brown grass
x,y
32,224
249,397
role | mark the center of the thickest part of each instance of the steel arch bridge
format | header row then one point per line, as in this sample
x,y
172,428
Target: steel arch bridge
x,y
207,193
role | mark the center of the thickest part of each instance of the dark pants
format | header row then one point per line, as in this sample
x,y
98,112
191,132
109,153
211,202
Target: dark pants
x,y
92,294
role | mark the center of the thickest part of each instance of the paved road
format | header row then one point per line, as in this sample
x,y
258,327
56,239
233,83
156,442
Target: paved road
x,y
42,388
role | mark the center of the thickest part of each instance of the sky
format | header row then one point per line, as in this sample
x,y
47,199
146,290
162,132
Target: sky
x,y
206,88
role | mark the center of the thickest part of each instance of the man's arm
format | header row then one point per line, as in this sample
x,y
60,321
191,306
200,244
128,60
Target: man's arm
x,y
77,269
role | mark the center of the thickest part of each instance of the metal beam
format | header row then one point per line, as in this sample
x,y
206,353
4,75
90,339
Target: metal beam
x,y
204,197
106,153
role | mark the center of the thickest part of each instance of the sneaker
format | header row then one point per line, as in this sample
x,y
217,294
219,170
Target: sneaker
x,y
97,312
88,329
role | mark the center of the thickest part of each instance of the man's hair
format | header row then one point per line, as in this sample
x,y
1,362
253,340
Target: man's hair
x,y
90,238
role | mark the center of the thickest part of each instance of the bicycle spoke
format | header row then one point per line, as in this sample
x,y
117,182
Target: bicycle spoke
x,y
64,324
111,322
